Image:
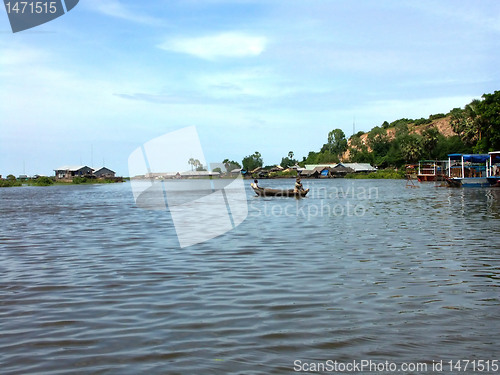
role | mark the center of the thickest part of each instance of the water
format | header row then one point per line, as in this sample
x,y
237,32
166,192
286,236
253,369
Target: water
x,y
89,283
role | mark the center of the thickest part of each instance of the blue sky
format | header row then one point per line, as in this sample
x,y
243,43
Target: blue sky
x,y
251,75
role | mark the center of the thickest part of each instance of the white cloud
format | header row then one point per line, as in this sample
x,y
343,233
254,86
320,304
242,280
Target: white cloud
x,y
213,47
115,8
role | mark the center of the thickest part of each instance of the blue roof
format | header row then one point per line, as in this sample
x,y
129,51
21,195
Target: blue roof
x,y
473,158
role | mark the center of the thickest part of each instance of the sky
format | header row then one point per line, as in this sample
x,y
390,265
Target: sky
x,y
273,76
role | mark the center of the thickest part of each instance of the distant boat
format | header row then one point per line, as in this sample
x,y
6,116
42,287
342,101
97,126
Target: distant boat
x,y
468,170
265,192
494,175
431,170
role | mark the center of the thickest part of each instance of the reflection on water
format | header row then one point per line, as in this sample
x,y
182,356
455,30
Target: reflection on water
x,y
92,284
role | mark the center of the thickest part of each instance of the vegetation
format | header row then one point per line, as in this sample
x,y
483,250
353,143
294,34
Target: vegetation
x,y
10,183
384,173
283,174
253,161
478,124
288,161
80,180
477,128
43,181
196,164
231,165
49,181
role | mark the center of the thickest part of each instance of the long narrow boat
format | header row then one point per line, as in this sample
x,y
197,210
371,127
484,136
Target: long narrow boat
x,y
468,170
265,192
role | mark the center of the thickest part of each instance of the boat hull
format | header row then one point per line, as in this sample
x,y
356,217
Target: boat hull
x,y
426,177
494,181
264,192
468,182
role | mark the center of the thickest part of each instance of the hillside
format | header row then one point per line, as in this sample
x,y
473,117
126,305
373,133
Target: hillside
x,y
442,125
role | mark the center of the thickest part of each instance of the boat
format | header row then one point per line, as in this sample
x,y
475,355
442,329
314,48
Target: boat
x,y
265,192
494,172
431,170
468,170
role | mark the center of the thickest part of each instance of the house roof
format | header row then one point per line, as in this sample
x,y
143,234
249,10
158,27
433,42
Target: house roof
x,y
312,166
98,169
308,172
359,167
71,168
340,168
199,173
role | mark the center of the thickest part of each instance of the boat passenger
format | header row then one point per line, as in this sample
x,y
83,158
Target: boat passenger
x,y
298,185
255,184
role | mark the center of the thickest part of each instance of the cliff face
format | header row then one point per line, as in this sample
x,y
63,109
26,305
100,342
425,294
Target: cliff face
x,y
441,124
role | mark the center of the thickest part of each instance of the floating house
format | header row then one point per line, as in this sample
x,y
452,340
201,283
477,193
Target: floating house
x,y
104,172
334,170
494,175
468,170
70,171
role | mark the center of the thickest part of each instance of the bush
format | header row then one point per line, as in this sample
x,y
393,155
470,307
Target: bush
x,y
79,180
381,174
436,116
43,181
9,183
283,174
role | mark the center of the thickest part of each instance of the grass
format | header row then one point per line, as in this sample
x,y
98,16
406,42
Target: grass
x,y
382,174
49,181
10,183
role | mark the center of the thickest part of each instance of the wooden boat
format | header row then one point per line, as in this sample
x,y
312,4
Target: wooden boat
x,y
265,192
494,181
494,170
468,170
431,170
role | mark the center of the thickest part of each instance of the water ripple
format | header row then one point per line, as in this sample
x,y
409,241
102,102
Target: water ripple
x,y
91,284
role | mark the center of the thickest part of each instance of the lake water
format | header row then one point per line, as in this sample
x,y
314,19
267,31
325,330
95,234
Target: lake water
x,y
359,270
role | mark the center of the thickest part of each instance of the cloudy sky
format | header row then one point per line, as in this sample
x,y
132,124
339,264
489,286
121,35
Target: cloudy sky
x,y
251,75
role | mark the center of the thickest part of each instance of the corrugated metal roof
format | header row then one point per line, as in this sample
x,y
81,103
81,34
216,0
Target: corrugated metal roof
x,y
98,169
71,168
360,167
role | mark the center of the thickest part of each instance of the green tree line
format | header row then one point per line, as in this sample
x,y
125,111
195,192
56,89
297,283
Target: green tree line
x,y
476,127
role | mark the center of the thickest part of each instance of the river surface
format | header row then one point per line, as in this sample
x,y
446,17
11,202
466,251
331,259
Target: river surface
x,y
358,270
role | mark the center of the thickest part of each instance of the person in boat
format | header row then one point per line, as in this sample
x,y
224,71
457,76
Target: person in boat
x,y
298,185
255,184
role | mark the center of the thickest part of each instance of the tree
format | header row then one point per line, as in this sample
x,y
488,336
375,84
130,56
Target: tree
x,y
378,142
411,148
252,161
337,143
191,162
358,151
430,138
488,111
288,161
466,122
230,165
312,158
